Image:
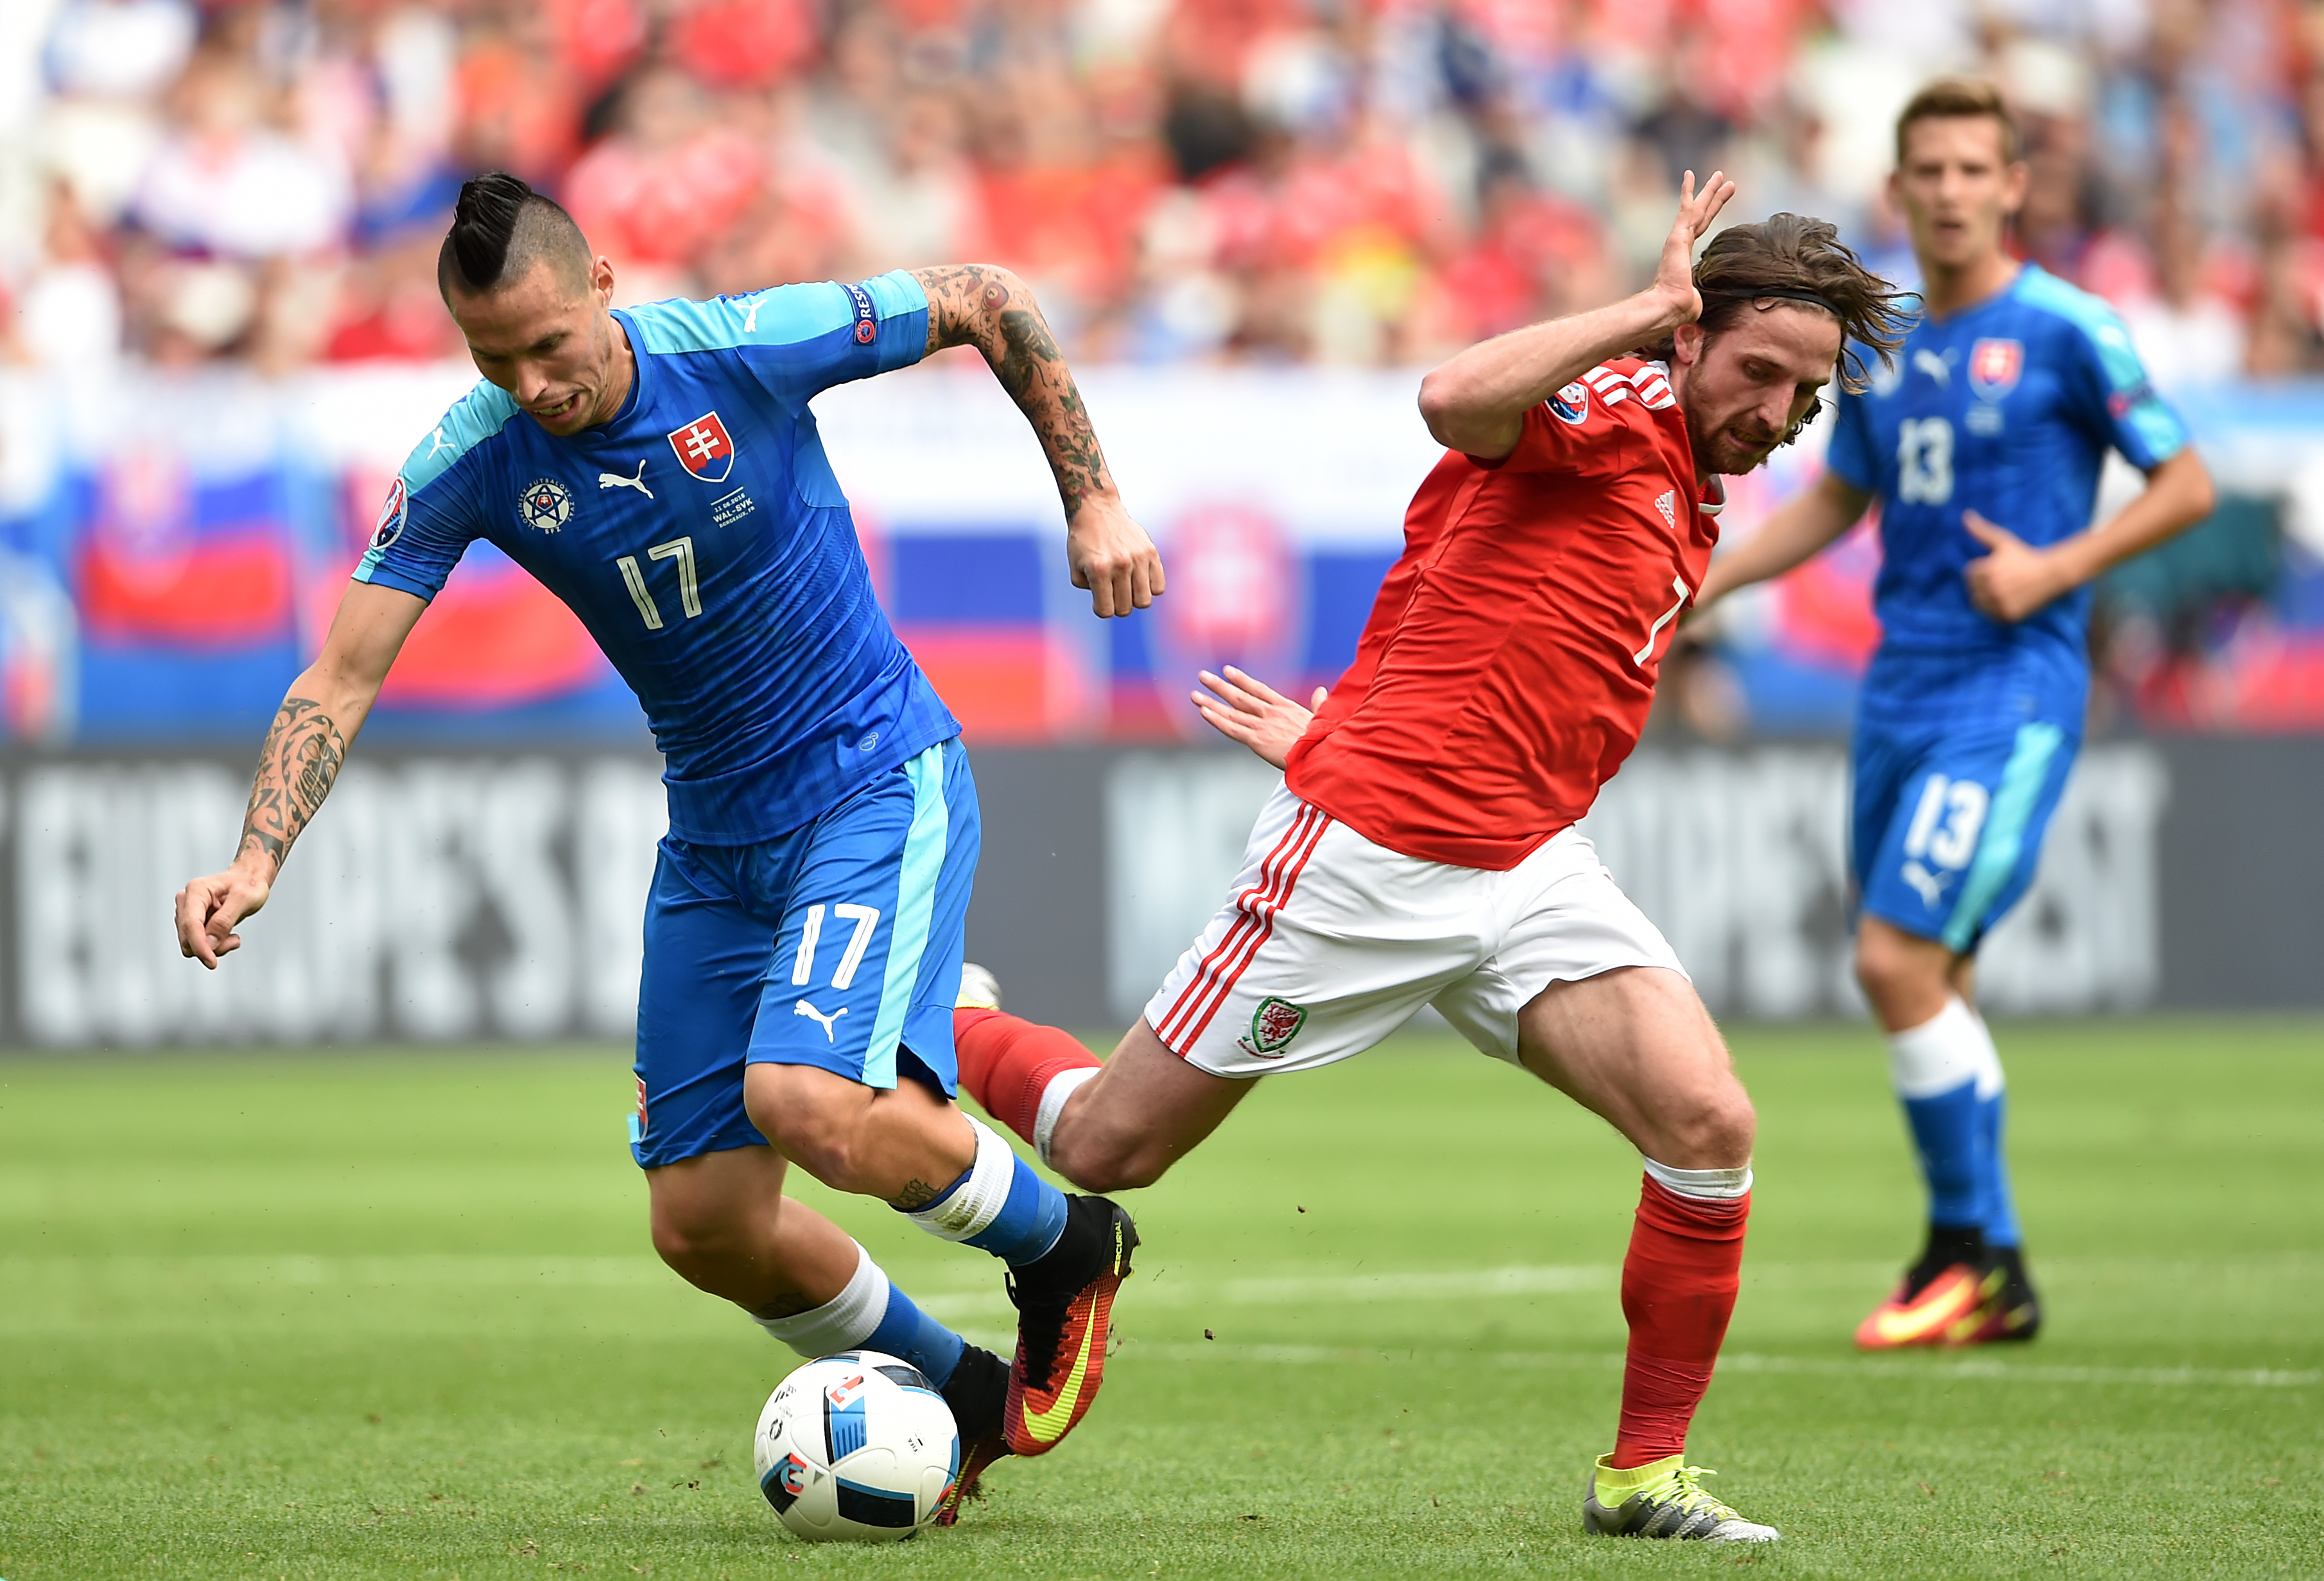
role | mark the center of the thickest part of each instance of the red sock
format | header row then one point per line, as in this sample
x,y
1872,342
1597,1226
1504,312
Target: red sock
x,y
1006,1062
1678,1291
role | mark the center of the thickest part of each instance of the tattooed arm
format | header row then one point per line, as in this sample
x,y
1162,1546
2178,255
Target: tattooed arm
x,y
987,307
312,731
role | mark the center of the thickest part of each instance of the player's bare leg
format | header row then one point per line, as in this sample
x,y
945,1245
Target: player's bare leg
x,y
722,1223
915,1151
1106,1127
1969,1285
1143,1111
721,1220
1635,1046
902,1144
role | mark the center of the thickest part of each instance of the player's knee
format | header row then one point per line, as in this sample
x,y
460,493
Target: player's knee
x,y
1892,971
1714,1130
797,1117
1728,1128
694,1238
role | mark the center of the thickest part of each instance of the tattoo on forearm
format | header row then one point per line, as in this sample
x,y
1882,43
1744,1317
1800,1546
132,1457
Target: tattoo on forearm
x,y
296,768
917,1194
972,304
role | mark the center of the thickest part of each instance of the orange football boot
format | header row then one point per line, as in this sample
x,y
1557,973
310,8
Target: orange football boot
x,y
1945,1285
1062,1327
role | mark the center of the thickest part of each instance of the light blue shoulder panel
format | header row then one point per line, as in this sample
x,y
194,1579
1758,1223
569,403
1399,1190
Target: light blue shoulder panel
x,y
2133,405
783,315
474,418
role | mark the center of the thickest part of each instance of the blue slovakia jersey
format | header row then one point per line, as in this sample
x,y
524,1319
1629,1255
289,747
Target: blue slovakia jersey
x,y
702,539
2007,409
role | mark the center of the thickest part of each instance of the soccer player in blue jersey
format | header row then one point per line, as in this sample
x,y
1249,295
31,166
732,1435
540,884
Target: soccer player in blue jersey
x,y
658,469
1981,443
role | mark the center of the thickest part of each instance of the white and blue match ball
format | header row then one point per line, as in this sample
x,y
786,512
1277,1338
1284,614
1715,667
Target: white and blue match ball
x,y
856,1447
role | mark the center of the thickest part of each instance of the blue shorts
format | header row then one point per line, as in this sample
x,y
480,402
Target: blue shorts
x,y
1946,827
837,945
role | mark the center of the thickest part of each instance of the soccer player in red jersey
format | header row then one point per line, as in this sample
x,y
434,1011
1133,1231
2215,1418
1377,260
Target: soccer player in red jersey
x,y
1422,849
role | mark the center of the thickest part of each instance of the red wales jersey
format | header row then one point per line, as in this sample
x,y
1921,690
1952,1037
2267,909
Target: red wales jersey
x,y
1510,658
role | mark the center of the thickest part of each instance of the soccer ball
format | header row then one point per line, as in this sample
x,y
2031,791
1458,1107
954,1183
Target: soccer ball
x,y
856,1447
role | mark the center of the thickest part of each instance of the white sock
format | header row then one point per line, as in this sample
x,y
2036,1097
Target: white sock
x,y
981,1198
1947,1049
1062,1087
1716,1184
1989,1079
842,1323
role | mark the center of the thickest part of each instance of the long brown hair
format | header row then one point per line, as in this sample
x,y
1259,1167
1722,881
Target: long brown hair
x,y
1791,258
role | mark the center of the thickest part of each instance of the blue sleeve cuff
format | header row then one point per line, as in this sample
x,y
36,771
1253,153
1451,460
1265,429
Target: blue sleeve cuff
x,y
903,309
376,574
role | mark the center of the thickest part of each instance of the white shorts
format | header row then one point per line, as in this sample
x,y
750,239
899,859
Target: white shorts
x,y
1329,943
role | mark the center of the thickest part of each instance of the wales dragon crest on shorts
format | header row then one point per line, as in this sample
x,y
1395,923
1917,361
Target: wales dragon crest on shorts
x,y
1273,1025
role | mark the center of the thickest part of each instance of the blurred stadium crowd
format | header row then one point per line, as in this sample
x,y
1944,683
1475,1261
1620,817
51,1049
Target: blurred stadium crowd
x,y
204,195
1348,182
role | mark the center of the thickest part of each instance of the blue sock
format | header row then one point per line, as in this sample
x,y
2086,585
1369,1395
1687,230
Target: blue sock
x,y
998,1205
1949,1135
872,1314
2000,1207
910,1335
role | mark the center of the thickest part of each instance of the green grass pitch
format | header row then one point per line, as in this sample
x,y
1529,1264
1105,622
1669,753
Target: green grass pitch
x,y
393,1314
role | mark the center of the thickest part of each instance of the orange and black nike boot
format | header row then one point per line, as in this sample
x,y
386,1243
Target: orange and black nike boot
x,y
2008,1309
1945,1286
1064,1306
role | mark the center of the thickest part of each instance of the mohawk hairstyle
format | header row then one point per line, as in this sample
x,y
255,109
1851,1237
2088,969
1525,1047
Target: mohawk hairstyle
x,y
501,228
1792,258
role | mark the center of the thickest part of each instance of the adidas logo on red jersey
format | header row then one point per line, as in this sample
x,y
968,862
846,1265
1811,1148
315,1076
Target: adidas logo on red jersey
x,y
1667,504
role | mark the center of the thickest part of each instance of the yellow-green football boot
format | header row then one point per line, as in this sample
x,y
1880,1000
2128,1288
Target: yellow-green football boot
x,y
1662,1498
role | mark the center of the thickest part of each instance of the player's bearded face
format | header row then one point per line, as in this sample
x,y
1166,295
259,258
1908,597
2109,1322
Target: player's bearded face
x,y
548,340
1748,389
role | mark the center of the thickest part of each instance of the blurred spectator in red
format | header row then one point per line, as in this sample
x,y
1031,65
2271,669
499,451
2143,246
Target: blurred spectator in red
x,y
519,104
1358,181
673,176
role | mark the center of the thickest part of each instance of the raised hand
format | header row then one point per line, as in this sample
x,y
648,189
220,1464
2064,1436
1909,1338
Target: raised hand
x,y
1245,709
1674,274
2013,578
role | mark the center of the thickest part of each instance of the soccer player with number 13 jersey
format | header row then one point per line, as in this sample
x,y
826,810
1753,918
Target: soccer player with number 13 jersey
x,y
1982,444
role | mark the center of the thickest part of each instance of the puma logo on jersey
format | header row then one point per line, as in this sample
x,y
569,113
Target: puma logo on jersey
x,y
439,445
615,480
1935,366
1931,885
825,1022
750,319
1667,504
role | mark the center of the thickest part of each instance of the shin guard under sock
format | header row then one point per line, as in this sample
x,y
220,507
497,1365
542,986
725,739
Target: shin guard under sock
x,y
1679,1282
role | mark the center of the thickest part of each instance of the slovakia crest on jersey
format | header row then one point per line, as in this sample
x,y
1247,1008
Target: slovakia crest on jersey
x,y
1571,404
1994,366
545,504
703,448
